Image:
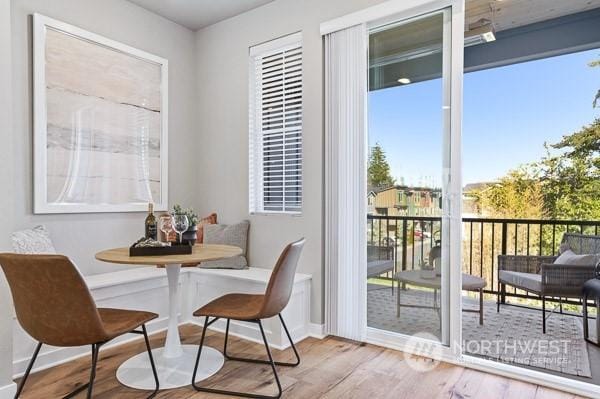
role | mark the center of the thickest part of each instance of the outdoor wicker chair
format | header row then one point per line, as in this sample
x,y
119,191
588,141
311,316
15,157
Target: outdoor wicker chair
x,y
540,276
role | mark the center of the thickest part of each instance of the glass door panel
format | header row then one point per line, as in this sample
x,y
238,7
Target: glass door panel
x,y
407,177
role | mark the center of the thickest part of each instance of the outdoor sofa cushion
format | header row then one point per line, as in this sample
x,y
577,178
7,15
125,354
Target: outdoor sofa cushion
x,y
569,257
527,281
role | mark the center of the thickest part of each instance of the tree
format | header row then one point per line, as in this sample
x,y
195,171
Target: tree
x,y
516,195
571,179
378,172
565,185
593,64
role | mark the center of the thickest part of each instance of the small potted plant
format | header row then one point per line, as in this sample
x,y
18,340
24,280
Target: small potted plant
x,y
191,234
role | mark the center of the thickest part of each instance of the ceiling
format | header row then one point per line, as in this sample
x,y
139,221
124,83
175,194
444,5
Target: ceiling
x,y
196,14
412,50
507,14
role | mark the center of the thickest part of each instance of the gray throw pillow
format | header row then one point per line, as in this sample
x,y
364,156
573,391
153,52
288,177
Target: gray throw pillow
x,y
234,234
568,257
32,241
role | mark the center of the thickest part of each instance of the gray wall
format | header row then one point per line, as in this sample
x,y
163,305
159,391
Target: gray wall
x,y
222,167
80,236
7,184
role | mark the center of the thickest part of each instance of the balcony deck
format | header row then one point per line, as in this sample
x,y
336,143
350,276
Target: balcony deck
x,y
514,335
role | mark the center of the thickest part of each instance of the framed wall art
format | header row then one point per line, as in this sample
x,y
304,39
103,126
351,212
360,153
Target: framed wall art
x,y
100,123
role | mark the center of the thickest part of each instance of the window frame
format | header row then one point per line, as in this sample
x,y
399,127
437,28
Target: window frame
x,y
256,184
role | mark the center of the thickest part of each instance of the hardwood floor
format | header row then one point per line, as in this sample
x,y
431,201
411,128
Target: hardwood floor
x,y
330,368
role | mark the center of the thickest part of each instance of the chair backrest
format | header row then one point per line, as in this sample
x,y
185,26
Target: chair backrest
x,y
582,243
52,302
281,282
380,252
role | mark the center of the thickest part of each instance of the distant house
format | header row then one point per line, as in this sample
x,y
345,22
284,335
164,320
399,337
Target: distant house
x,y
404,200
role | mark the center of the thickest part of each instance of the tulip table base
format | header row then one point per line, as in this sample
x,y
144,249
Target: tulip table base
x,y
172,372
174,362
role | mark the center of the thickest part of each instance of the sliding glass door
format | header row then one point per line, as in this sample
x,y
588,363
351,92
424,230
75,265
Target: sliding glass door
x,y
408,230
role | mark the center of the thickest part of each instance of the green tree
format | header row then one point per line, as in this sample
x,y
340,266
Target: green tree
x,y
516,195
571,179
378,172
593,64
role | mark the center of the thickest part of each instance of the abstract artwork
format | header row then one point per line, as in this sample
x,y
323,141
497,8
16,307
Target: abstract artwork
x,y
100,121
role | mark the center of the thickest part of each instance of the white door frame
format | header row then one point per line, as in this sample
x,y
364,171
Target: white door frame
x,y
449,349
395,10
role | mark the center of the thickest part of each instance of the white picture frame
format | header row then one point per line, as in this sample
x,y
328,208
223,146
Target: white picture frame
x,y
130,134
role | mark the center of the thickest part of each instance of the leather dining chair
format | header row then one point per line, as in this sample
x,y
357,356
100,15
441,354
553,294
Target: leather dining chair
x,y
54,305
254,308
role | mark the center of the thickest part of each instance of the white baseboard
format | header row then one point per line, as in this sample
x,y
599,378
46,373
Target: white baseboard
x,y
8,391
316,330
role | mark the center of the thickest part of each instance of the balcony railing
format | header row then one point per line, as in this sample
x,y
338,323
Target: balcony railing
x,y
483,240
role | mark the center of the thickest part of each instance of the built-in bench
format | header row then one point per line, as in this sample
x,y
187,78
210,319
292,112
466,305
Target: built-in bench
x,y
145,288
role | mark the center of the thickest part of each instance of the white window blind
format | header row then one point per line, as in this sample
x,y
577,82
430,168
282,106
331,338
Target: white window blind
x,y
276,126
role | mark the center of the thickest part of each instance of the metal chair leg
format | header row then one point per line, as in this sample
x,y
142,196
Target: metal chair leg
x,y
197,388
242,359
28,370
498,299
543,315
586,333
153,394
270,362
95,350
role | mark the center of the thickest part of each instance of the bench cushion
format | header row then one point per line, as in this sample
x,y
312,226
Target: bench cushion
x,y
527,281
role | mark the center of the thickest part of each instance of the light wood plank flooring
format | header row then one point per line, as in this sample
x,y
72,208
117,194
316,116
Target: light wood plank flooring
x,y
330,368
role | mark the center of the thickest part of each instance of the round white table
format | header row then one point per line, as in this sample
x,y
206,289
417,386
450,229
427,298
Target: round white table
x,y
174,362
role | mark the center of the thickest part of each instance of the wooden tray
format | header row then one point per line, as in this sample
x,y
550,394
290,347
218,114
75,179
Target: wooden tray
x,y
174,249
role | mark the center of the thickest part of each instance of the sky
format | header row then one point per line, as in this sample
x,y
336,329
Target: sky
x,y
509,112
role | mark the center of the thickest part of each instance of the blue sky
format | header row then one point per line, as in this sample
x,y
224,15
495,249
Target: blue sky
x,y
509,113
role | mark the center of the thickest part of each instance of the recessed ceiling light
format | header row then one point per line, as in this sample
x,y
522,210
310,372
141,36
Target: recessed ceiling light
x,y
404,81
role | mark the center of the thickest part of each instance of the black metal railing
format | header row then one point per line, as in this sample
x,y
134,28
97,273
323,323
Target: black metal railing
x,y
483,240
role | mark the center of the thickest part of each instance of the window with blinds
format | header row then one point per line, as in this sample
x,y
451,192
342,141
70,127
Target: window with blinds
x,y
276,126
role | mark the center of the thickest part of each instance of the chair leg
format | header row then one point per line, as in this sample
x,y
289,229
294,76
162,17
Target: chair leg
x,y
241,359
543,315
498,299
197,388
153,394
95,350
586,332
28,370
271,362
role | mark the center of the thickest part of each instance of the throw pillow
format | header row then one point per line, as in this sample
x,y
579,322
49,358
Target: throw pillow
x,y
571,258
235,234
210,219
32,241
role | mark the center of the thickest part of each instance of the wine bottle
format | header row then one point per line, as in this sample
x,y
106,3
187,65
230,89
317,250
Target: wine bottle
x,y
151,230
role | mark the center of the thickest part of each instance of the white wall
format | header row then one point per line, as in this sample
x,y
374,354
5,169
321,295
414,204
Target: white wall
x,y
6,200
80,236
222,51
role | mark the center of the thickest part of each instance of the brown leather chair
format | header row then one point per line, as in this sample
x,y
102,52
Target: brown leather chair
x,y
253,308
54,305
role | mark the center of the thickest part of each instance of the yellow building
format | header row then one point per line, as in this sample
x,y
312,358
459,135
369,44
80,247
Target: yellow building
x,y
405,201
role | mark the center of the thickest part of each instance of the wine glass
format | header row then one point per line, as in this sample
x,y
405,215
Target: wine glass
x,y
165,224
180,224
